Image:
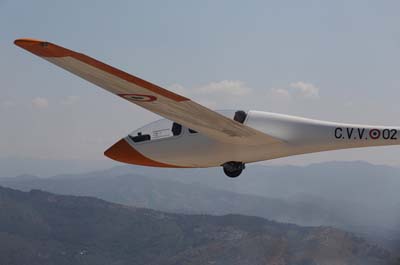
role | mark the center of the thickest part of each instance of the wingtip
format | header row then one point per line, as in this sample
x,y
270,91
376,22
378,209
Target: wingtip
x,y
27,41
42,48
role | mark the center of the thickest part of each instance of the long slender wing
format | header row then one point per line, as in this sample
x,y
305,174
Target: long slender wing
x,y
147,95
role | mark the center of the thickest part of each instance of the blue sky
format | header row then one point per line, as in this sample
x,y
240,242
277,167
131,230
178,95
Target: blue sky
x,y
332,60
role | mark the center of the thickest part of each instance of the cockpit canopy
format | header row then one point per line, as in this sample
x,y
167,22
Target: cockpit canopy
x,y
156,130
164,128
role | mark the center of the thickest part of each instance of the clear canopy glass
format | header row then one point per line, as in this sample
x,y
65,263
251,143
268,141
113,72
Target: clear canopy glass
x,y
163,128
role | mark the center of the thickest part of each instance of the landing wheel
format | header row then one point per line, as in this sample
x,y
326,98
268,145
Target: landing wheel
x,y
233,169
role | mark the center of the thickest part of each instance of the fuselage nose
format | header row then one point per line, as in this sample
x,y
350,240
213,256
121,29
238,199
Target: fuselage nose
x,y
124,152
121,151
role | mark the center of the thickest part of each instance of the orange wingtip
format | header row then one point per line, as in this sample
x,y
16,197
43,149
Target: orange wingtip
x,y
26,40
42,48
48,49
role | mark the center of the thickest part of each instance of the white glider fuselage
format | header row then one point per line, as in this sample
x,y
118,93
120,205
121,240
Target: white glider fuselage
x,y
297,135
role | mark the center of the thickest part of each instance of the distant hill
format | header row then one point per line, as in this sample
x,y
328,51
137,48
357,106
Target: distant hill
x,y
10,167
42,228
356,196
173,196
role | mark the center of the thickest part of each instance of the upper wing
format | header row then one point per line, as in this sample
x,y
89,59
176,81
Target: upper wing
x,y
147,95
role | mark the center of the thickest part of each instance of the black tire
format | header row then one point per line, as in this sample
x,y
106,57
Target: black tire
x,y
233,169
233,174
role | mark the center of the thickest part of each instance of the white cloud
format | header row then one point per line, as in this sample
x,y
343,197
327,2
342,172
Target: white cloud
x,y
40,103
306,90
179,89
70,100
226,87
230,94
296,90
280,92
7,104
221,94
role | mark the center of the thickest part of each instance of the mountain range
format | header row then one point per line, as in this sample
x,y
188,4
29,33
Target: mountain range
x,y
38,227
355,196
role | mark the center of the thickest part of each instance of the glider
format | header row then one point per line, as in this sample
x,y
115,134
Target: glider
x,y
193,136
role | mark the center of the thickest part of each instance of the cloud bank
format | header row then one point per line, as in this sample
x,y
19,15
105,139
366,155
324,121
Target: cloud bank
x,y
40,103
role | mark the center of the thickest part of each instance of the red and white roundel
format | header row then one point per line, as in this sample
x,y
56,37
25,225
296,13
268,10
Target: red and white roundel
x,y
138,97
374,134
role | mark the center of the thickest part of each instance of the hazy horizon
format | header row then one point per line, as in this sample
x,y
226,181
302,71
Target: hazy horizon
x,y
13,167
